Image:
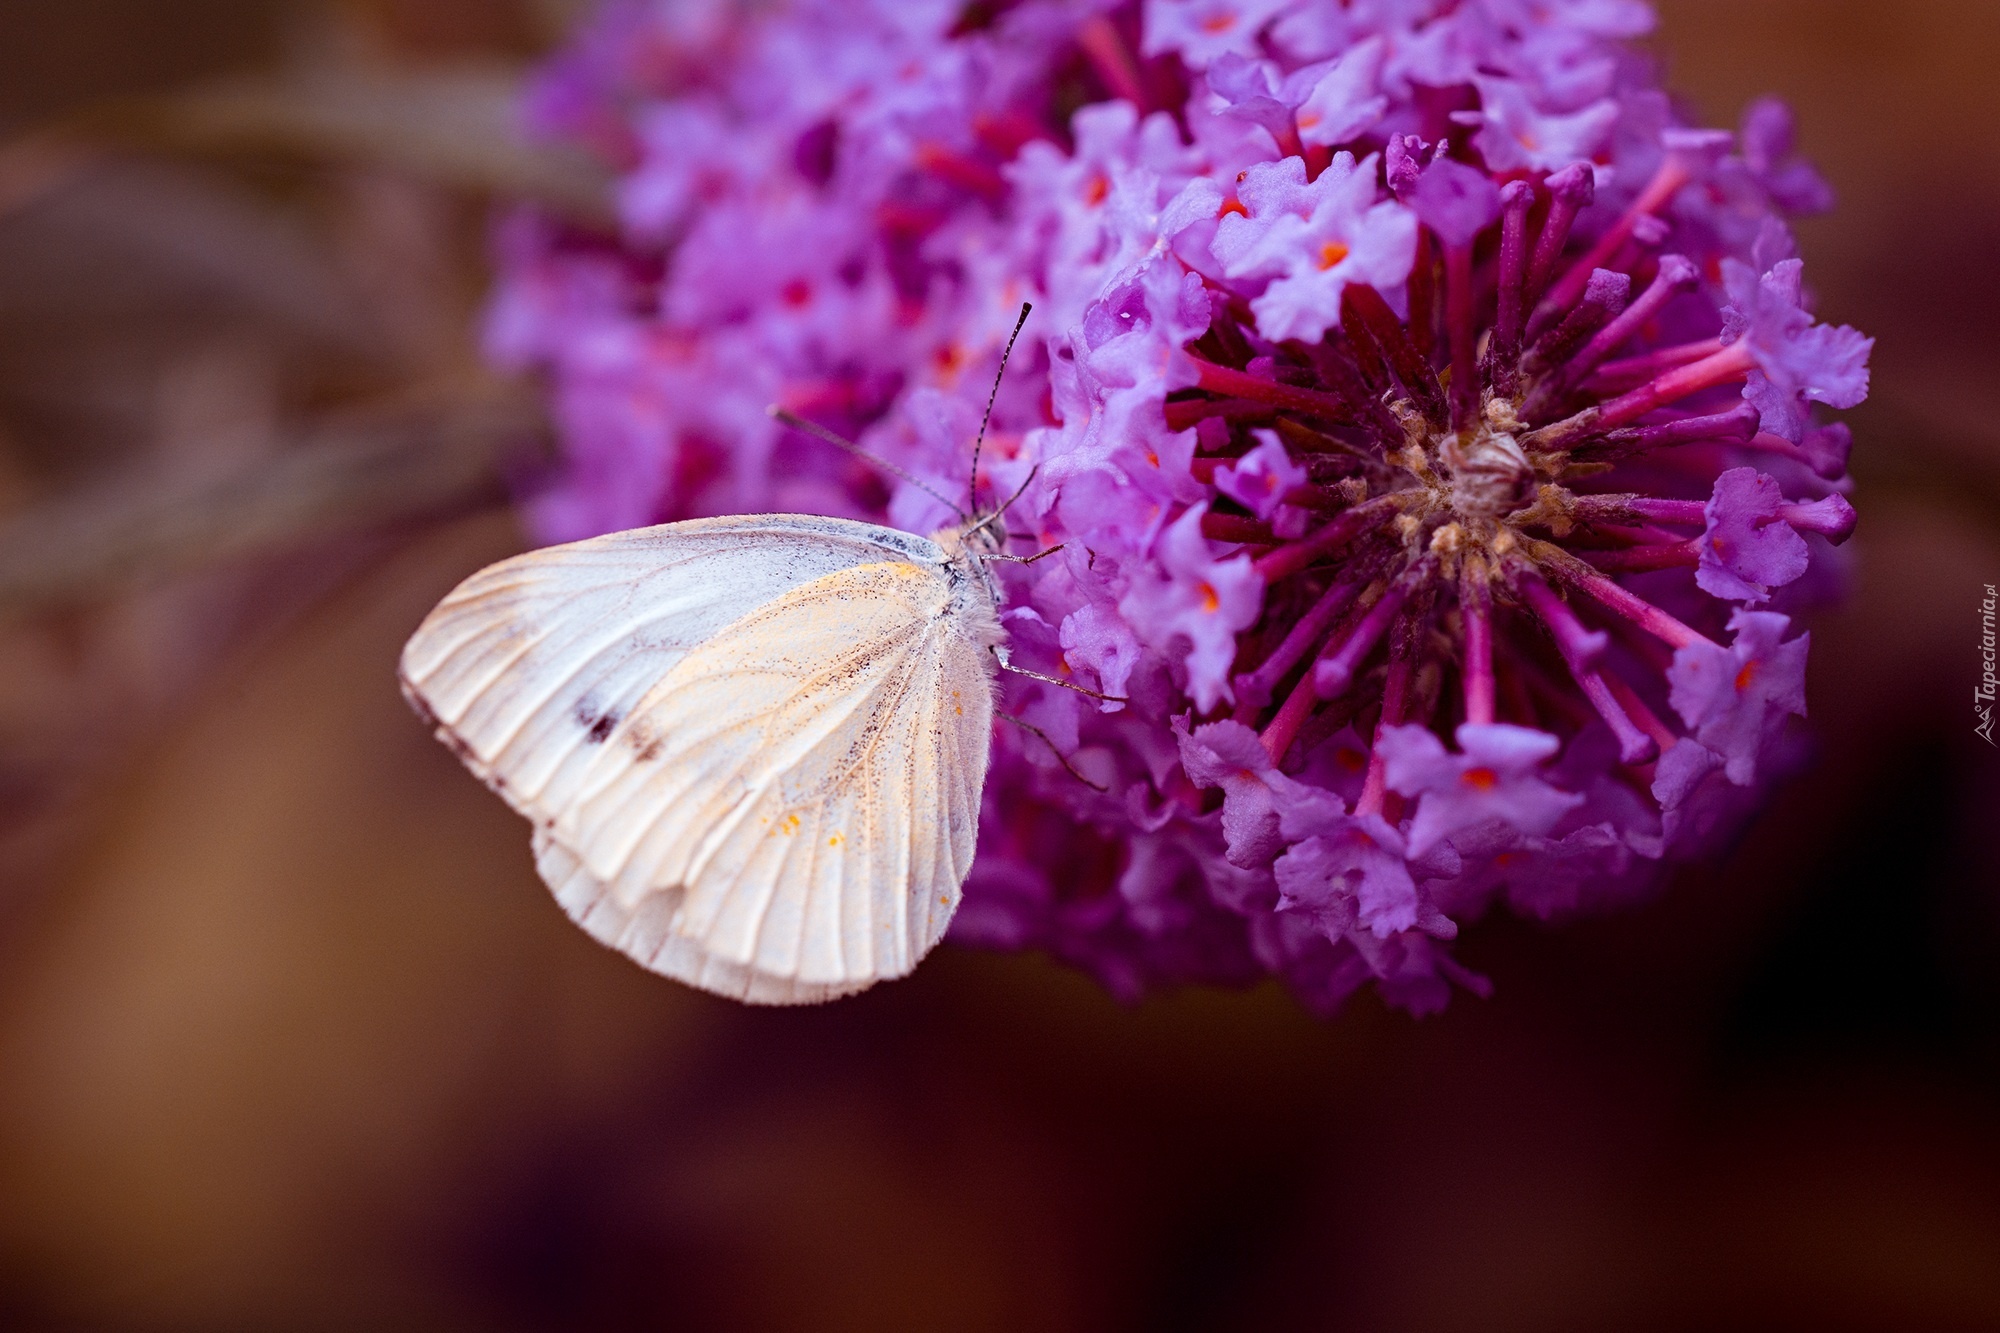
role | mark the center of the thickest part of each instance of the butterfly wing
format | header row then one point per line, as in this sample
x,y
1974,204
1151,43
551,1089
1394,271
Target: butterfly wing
x,y
526,667
778,804
644,933
803,788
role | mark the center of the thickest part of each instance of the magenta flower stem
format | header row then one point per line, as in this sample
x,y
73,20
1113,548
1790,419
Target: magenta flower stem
x,y
1375,796
1305,635
1422,322
1676,275
1283,728
1516,198
1666,182
1669,511
1570,190
1636,559
1580,647
1731,363
1475,610
1736,426
1767,443
1330,537
1345,379
1365,304
1243,385
1459,317
1625,603
1641,535
1602,302
1186,413
1634,745
1310,496
1645,366
1556,700
1643,717
1235,528
1289,144
1336,670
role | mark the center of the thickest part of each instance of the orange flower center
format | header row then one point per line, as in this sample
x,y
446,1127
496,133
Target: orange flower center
x,y
1330,254
1481,779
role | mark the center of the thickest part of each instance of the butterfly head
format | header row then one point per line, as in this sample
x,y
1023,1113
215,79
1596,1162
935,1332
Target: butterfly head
x,y
984,536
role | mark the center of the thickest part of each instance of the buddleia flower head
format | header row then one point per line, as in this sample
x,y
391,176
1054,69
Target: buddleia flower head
x,y
1433,425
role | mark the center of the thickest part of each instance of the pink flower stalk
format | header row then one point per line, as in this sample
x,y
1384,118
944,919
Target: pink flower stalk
x,y
1417,403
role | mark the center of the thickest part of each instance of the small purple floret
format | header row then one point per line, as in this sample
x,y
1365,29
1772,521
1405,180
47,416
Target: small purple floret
x,y
1749,548
1261,479
1734,698
1454,201
1355,877
1313,239
1228,755
1493,778
1199,597
1798,361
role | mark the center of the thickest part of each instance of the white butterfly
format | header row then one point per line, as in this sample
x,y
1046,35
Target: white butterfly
x,y
752,748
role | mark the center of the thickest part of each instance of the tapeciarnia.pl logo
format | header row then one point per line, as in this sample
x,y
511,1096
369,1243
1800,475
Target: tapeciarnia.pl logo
x,y
1982,694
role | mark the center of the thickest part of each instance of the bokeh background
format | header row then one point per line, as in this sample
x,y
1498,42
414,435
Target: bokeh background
x,y
291,1038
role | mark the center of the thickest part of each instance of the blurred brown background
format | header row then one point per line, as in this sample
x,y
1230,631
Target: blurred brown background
x,y
291,1038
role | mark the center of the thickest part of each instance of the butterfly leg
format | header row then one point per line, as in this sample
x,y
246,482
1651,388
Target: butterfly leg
x,y
1060,757
1006,665
1025,559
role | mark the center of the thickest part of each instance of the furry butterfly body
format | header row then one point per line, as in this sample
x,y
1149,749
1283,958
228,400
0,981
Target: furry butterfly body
x,y
752,749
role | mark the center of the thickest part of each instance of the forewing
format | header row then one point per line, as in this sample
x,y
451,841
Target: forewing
x,y
796,802
528,666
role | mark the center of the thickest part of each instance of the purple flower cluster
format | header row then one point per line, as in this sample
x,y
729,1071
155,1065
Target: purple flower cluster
x,y
1428,416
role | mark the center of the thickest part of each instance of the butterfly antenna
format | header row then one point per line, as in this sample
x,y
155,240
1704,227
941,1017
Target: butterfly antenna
x,y
1001,512
798,423
972,482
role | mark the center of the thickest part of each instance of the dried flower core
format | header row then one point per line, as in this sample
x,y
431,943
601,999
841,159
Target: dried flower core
x,y
1464,463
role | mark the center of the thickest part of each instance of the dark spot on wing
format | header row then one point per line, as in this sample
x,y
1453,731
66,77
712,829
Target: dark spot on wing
x,y
645,742
597,727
